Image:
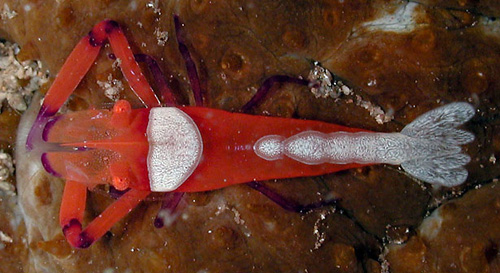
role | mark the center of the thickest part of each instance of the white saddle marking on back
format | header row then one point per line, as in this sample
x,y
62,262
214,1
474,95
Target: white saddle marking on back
x,y
175,148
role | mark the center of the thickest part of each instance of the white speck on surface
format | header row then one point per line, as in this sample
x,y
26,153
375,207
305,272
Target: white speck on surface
x,y
112,87
117,63
493,159
237,217
155,6
18,80
6,13
320,235
376,112
325,85
161,36
5,238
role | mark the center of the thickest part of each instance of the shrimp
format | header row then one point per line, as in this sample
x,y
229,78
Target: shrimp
x,y
195,148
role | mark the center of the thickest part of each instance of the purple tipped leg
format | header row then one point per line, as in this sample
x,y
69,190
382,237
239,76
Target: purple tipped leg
x,y
168,211
164,92
190,65
265,90
289,205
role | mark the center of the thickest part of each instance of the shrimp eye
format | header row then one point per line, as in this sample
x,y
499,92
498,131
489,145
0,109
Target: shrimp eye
x,y
121,183
120,175
122,106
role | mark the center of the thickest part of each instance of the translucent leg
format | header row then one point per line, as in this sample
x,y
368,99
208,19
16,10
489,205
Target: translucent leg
x,y
73,207
164,92
190,65
287,204
265,90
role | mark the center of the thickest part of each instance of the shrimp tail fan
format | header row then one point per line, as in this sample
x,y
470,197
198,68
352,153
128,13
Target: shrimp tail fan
x,y
437,156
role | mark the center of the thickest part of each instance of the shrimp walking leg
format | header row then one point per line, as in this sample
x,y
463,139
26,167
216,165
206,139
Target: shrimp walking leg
x,y
73,208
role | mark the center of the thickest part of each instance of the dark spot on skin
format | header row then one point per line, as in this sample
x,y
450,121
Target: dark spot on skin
x,y
158,222
93,41
110,26
491,252
72,223
84,240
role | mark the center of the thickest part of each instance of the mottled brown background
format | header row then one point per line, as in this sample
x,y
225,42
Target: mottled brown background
x,y
452,54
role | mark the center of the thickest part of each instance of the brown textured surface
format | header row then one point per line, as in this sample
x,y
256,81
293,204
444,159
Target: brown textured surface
x,y
449,228
236,45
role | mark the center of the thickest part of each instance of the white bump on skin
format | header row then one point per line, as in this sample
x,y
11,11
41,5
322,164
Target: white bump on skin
x,y
175,148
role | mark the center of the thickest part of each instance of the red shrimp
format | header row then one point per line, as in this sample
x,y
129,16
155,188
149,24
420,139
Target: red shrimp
x,y
193,148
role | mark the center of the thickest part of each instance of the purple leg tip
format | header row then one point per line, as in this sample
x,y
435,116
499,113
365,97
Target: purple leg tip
x,y
46,165
85,240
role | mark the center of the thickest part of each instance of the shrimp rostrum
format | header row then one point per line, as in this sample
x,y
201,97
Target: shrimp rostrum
x,y
194,148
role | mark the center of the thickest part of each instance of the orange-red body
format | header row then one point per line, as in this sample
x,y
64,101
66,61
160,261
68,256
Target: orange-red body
x,y
111,146
108,145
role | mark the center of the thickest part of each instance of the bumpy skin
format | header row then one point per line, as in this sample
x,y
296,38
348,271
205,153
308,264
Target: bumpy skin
x,y
236,45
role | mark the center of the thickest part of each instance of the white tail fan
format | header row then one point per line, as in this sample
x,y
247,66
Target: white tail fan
x,y
439,159
428,148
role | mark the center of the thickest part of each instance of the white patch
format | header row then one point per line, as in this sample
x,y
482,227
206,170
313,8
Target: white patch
x,y
376,112
269,147
6,171
175,148
325,85
161,36
312,147
5,238
6,13
132,5
489,27
112,87
401,21
155,6
13,72
431,226
428,148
